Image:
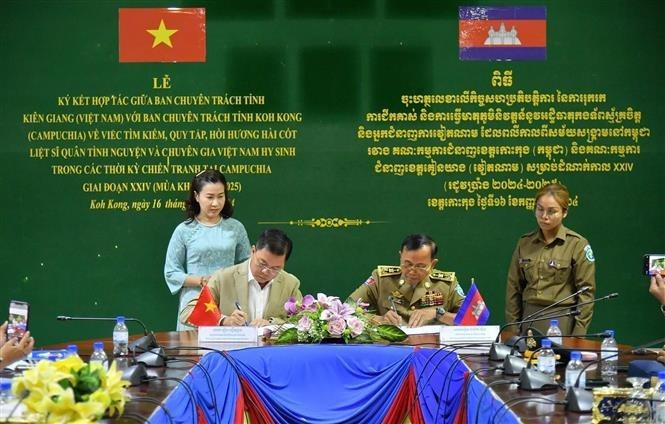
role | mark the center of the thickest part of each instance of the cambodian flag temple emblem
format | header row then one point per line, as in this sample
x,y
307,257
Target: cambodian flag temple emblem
x,y
473,310
503,33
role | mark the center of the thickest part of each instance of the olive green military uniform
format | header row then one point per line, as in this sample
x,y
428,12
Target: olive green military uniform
x,y
439,288
541,274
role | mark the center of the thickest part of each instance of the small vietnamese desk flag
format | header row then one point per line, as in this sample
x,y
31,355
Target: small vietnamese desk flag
x,y
162,35
473,310
206,311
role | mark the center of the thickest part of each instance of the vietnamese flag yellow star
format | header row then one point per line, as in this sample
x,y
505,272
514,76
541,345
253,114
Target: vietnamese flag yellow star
x,y
210,306
162,34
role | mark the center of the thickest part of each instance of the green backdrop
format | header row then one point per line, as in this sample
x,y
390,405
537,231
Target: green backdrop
x,y
294,89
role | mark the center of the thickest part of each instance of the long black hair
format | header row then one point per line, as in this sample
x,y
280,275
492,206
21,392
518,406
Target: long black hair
x,y
207,176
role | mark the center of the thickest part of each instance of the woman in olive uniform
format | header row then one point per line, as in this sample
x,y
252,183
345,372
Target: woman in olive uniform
x,y
549,264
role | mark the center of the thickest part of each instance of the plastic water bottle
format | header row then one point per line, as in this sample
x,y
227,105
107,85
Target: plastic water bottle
x,y
658,398
120,338
546,358
72,350
6,396
554,332
609,356
99,356
574,370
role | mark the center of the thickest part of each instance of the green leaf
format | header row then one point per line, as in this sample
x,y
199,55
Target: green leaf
x,y
288,336
391,333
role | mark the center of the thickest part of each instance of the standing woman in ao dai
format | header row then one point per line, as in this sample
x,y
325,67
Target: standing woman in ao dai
x,y
208,240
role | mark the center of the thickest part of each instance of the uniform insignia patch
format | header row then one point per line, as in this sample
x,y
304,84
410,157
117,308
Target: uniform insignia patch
x,y
442,275
370,281
588,253
460,291
397,297
432,298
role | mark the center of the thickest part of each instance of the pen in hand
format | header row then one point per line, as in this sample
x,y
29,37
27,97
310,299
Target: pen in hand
x,y
392,304
240,309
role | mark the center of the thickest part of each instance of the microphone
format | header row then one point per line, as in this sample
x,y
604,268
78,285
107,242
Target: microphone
x,y
581,400
22,396
609,296
513,365
147,342
558,302
499,351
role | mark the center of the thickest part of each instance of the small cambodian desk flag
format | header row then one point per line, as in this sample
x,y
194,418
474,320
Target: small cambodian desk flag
x,y
162,35
206,311
473,310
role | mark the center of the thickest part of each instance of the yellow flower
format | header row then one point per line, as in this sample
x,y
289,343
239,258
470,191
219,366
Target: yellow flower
x,y
54,388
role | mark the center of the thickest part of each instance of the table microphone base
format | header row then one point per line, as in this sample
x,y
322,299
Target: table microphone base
x,y
579,400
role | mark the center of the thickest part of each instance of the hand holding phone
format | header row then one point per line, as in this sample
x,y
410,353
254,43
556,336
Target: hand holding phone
x,y
17,321
654,262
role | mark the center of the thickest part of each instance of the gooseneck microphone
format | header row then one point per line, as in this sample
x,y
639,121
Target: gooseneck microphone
x,y
68,318
557,303
598,299
581,400
499,351
147,342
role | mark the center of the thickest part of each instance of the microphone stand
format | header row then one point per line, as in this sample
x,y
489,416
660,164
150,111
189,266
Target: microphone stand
x,y
499,351
147,342
581,400
558,302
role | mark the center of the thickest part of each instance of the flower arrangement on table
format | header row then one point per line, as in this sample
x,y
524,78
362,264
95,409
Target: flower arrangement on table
x,y
70,391
327,318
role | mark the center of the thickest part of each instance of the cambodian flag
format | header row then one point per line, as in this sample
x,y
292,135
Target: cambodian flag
x,y
503,33
473,310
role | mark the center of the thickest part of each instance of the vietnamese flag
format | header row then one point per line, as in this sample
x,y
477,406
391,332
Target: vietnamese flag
x,y
473,310
206,311
162,35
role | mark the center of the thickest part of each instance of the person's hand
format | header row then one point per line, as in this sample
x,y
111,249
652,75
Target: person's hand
x,y
259,322
236,319
392,317
421,316
661,355
12,350
657,287
3,333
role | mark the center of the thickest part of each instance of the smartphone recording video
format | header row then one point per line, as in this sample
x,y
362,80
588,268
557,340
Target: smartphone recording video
x,y
654,262
17,322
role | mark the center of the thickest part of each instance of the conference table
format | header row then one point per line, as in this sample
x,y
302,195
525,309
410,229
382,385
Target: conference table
x,y
474,377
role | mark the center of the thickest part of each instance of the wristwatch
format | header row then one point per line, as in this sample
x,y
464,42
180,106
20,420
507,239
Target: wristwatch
x,y
440,311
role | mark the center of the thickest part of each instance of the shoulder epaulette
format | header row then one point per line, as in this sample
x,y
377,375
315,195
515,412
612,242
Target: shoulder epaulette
x,y
384,270
530,234
570,232
448,276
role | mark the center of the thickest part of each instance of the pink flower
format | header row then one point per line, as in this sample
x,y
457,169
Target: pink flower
x,y
336,310
325,301
308,303
304,324
356,325
336,327
290,306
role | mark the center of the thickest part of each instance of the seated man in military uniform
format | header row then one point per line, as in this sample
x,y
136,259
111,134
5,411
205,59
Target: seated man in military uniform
x,y
414,292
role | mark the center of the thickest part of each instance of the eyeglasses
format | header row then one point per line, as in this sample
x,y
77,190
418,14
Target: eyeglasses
x,y
549,212
408,266
266,268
